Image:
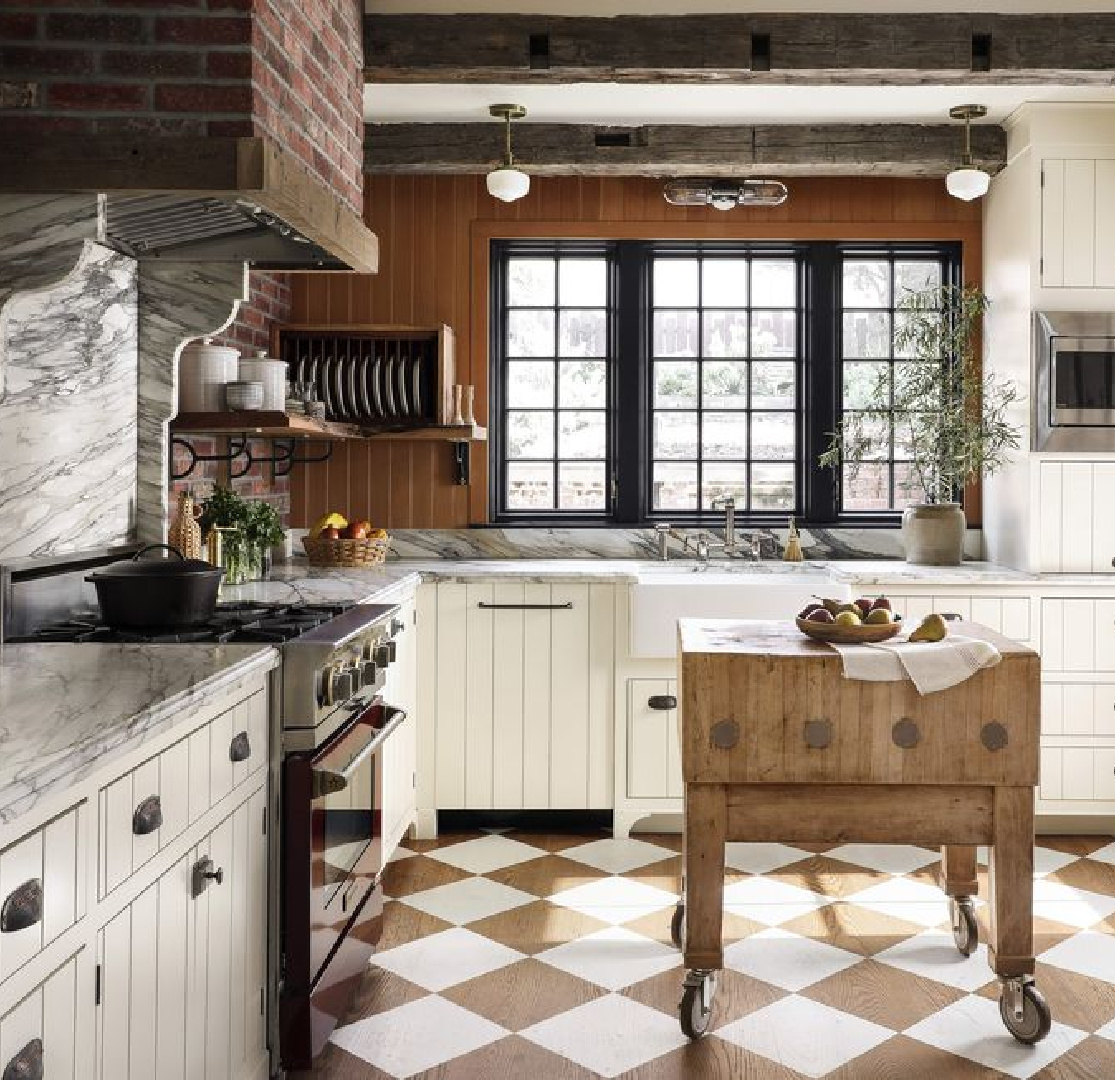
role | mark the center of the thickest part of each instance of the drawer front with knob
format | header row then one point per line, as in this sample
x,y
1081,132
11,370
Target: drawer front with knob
x,y
42,893
653,759
39,1036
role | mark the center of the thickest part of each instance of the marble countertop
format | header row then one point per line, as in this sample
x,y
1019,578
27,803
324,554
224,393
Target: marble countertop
x,y
68,710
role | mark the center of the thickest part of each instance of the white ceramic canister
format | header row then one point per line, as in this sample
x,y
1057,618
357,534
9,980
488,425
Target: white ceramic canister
x,y
272,373
203,370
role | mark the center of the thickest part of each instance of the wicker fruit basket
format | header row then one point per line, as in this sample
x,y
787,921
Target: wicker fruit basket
x,y
849,635
323,551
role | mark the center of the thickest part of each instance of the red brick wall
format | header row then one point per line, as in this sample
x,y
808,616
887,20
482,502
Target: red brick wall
x,y
290,70
269,300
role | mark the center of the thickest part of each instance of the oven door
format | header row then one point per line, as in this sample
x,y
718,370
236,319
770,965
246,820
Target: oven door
x,y
1082,382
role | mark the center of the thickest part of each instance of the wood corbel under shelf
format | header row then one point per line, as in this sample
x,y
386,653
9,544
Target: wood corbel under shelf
x,y
277,425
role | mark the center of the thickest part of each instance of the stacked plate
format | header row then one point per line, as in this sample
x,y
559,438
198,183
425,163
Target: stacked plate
x,y
376,384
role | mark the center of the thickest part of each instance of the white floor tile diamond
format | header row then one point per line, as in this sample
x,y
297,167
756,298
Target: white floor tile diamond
x,y
770,902
442,960
1046,860
466,901
614,900
617,855
933,954
1104,855
972,1028
609,1035
886,858
486,853
1075,907
612,958
1086,953
787,960
904,898
805,1035
416,1037
761,858
1107,1031
401,853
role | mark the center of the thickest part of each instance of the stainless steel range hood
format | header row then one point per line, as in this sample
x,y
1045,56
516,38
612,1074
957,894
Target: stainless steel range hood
x,y
210,229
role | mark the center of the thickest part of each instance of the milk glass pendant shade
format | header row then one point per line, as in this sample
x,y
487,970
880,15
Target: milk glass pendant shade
x,y
507,182
967,182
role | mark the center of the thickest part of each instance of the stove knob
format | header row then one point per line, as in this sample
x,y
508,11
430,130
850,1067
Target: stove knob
x,y
338,685
397,627
369,672
355,672
392,650
383,654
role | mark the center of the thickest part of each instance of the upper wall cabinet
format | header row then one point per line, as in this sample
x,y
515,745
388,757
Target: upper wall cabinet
x,y
1078,223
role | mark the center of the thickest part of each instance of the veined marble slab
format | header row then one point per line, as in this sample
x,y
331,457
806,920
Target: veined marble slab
x,y
68,710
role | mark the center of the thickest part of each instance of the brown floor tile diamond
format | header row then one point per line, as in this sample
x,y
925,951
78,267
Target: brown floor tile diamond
x,y
661,875
827,876
338,1064
444,840
512,1058
523,994
656,925
883,994
535,927
851,927
1074,845
736,994
1090,1059
1076,1000
901,1058
714,1059
1087,874
545,876
666,840
380,991
418,873
402,924
557,842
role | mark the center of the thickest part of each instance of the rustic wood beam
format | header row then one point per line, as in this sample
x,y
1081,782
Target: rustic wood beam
x,y
682,149
877,49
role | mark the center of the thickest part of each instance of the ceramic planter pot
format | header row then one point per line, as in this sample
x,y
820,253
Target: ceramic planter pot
x,y
933,534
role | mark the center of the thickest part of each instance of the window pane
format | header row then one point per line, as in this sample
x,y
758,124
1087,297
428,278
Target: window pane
x,y
584,383
915,276
772,487
530,383
866,386
773,333
906,348
724,383
581,485
530,282
676,283
725,333
724,283
674,486
583,333
583,282
772,436
530,486
866,335
582,434
774,283
675,435
875,428
530,333
773,386
868,488
720,478
676,333
907,486
675,385
530,434
866,283
724,435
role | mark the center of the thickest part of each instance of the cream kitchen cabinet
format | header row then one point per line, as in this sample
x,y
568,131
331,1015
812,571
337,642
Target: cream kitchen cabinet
x,y
1078,223
653,749
1077,516
400,752
1010,616
518,710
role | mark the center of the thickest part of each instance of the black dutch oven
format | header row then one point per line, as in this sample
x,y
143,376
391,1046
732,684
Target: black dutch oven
x,y
146,594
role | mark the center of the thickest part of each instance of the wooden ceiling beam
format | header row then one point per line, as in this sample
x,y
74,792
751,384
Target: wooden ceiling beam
x,y
805,49
682,149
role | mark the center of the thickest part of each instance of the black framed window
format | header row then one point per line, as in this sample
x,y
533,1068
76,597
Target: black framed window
x,y
634,381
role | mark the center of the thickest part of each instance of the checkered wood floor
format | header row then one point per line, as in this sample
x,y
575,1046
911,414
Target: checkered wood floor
x,y
519,955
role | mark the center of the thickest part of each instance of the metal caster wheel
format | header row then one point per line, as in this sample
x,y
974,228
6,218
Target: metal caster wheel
x,y
677,926
696,1003
1024,1010
965,930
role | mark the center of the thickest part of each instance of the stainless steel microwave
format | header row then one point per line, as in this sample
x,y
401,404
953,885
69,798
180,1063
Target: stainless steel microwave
x,y
1074,381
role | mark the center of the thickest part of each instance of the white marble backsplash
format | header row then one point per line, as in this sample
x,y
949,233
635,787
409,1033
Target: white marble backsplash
x,y
68,417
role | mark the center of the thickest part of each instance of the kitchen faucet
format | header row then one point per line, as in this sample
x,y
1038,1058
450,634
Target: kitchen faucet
x,y
732,544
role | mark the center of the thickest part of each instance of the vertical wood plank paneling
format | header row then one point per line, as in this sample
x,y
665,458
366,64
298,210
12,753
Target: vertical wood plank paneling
x,y
507,700
1103,517
569,697
601,695
434,268
451,676
170,944
143,1014
426,605
536,700
479,678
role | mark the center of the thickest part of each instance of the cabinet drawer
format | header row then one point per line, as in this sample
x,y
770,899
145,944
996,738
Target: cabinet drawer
x,y
42,892
1078,709
653,751
42,1029
1078,773
1006,615
1077,634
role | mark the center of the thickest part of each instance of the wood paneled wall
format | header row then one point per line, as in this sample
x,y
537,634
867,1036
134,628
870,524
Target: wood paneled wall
x,y
435,232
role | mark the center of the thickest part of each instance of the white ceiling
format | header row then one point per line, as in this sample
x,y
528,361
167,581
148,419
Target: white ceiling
x,y
646,103
737,7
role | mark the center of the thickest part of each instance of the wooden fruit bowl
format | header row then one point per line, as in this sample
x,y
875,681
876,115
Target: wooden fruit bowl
x,y
849,635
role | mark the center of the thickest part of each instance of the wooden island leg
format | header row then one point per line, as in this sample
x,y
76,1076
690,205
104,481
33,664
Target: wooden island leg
x,y
704,837
1011,949
958,870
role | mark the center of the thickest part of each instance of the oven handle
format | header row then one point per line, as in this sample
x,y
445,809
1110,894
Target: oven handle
x,y
331,781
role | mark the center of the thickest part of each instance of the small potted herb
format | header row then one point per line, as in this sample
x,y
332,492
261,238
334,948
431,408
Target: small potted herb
x,y
250,527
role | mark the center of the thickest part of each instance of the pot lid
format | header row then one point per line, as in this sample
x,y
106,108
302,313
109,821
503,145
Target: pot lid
x,y
176,565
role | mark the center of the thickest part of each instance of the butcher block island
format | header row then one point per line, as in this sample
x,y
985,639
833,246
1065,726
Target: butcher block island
x,y
778,746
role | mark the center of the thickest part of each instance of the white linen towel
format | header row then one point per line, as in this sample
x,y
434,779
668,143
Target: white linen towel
x,y
930,665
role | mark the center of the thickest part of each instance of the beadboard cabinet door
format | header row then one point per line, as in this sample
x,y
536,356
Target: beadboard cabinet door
x,y
400,750
519,715
1078,223
1077,517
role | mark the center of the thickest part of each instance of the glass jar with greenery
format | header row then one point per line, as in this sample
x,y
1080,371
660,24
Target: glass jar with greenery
x,y
253,527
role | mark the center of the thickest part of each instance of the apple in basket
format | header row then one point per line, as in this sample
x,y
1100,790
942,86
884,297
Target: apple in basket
x,y
357,530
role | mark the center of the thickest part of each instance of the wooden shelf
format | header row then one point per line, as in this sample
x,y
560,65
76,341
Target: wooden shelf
x,y
277,425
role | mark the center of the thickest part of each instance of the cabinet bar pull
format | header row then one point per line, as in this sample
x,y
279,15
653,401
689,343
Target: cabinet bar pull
x,y
27,1064
567,606
22,908
148,816
240,749
662,702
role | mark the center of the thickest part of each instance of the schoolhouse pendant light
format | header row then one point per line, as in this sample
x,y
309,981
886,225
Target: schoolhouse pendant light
x,y
967,182
508,183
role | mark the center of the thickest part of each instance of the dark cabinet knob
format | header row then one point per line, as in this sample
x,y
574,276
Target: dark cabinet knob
x,y
240,749
662,702
205,872
27,1064
148,816
23,907
382,655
